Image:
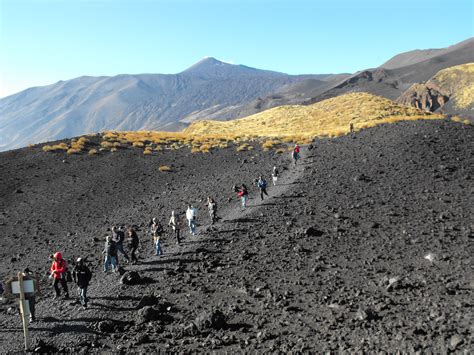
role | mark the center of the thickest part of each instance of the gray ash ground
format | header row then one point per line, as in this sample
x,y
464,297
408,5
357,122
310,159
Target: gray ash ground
x,y
333,260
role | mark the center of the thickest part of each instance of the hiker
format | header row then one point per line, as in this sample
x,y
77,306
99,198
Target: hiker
x,y
296,153
58,271
133,243
275,174
118,236
31,297
157,232
110,252
351,127
262,185
175,223
191,217
82,275
243,193
212,207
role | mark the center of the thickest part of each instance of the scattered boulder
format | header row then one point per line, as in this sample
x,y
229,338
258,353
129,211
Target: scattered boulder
x,y
147,314
367,314
313,232
130,278
213,319
106,326
455,341
147,300
40,346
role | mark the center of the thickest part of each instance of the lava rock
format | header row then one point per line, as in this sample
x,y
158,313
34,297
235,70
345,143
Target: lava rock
x,y
147,314
213,319
147,300
40,346
130,278
313,232
106,326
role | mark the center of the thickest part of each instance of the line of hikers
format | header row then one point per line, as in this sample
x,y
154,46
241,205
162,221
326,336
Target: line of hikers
x,y
114,244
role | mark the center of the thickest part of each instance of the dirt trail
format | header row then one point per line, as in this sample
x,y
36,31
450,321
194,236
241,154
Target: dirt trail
x,y
288,175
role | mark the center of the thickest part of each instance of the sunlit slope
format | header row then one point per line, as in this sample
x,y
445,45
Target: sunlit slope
x,y
458,81
326,118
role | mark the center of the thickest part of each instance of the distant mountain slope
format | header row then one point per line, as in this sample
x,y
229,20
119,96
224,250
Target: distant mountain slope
x,y
420,55
390,83
451,90
329,117
131,102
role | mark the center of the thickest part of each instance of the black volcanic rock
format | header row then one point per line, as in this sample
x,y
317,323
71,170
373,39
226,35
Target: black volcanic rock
x,y
390,273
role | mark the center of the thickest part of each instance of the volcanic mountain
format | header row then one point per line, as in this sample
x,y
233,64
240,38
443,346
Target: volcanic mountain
x,y
389,80
133,102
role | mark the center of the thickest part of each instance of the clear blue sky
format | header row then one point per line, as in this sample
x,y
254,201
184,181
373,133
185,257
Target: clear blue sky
x,y
43,41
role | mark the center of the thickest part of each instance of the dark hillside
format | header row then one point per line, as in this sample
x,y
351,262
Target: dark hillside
x,y
364,246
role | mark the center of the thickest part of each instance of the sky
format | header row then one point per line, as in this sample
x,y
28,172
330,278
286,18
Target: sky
x,y
44,41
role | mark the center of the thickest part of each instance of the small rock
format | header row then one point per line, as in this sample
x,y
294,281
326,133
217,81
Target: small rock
x,y
106,326
130,278
455,341
313,232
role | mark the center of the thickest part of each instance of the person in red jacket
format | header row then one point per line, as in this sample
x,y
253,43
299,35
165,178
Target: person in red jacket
x,y
58,273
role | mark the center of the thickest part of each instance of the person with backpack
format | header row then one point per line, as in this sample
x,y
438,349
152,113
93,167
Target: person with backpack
x,y
243,193
212,207
275,174
58,271
191,213
110,252
118,236
157,232
262,185
82,276
133,243
175,223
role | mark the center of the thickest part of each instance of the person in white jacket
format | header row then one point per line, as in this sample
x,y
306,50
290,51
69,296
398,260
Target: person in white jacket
x,y
191,214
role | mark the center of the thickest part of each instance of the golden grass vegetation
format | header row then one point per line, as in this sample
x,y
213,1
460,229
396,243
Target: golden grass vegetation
x,y
461,120
76,146
459,82
165,168
156,141
277,128
55,148
329,118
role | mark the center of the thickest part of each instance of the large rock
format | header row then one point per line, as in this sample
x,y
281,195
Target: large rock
x,y
213,319
313,232
427,97
106,326
147,300
130,278
147,314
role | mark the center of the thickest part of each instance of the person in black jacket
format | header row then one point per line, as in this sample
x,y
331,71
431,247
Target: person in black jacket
x,y
82,276
118,236
133,243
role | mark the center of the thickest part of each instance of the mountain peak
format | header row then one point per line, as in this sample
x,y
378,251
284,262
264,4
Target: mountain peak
x,y
207,65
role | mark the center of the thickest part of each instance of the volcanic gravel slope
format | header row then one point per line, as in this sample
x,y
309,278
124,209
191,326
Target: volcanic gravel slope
x,y
333,260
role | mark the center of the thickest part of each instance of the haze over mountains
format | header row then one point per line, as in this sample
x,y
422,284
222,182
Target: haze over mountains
x,y
210,89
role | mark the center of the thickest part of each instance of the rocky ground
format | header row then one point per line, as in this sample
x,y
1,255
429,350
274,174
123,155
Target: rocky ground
x,y
366,245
